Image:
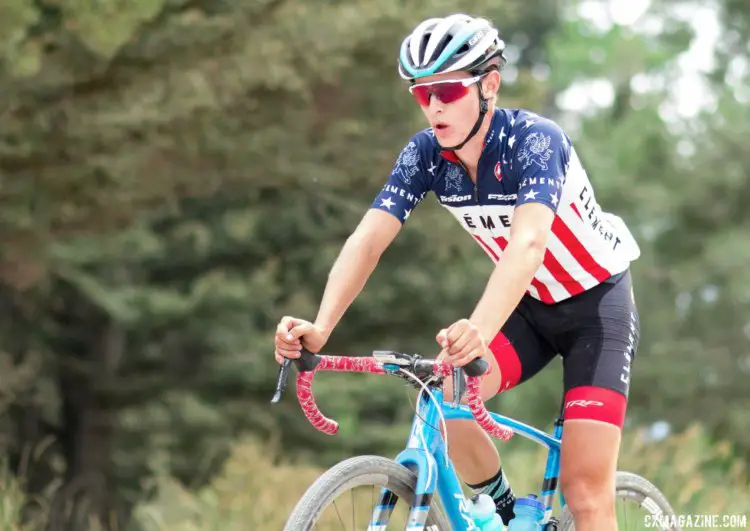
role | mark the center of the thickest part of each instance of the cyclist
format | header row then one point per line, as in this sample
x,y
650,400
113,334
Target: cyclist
x,y
561,283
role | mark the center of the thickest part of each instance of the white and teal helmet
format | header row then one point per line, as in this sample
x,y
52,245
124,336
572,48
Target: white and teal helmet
x,y
454,43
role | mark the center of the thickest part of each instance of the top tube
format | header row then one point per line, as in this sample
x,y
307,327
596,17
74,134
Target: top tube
x,y
462,412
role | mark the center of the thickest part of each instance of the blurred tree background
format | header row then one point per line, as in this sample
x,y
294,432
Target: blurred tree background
x,y
176,175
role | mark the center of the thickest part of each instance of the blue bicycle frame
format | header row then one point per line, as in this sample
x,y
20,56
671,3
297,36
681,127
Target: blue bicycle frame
x,y
426,456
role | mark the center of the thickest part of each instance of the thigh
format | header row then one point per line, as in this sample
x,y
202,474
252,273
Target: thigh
x,y
598,353
519,349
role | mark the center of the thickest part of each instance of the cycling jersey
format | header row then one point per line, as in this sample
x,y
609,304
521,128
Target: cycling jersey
x,y
526,159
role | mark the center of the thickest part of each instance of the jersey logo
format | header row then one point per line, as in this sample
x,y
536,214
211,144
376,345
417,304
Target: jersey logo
x,y
453,178
406,165
498,172
583,403
536,151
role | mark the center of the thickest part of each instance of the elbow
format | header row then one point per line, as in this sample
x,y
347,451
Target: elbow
x,y
533,245
361,244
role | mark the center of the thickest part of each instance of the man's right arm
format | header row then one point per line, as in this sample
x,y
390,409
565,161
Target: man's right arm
x,y
404,190
354,265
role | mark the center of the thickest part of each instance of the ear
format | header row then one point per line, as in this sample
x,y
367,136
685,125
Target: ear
x,y
491,84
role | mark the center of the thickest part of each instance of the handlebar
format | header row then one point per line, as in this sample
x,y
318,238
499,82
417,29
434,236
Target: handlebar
x,y
386,362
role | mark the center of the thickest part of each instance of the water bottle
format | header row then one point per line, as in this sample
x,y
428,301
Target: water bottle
x,y
484,514
529,513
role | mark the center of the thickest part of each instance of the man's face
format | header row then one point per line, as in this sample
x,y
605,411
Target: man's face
x,y
452,119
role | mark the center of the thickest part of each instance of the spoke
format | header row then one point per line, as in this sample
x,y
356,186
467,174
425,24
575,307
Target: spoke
x,y
339,515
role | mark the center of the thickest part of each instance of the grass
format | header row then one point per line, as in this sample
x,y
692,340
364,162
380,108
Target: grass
x,y
254,493
257,488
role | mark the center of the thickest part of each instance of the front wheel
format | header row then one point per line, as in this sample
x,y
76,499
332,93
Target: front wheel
x,y
365,471
632,489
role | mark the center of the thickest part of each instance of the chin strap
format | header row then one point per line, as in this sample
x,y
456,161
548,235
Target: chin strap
x,y
483,107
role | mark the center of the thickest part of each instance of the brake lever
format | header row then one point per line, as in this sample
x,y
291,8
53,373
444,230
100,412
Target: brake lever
x,y
459,385
477,367
305,363
456,386
281,380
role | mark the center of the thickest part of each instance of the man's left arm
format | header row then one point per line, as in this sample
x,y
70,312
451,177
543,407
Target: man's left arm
x,y
540,163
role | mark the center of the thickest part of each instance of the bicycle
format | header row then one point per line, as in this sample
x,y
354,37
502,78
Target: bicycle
x,y
424,468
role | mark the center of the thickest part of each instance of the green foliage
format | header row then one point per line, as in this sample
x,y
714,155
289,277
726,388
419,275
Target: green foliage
x,y
682,187
177,175
617,54
687,466
148,162
256,490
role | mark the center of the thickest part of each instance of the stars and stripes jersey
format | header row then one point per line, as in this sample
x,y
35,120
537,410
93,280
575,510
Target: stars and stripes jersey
x,y
526,159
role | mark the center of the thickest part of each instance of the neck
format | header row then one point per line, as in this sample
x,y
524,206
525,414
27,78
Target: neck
x,y
470,153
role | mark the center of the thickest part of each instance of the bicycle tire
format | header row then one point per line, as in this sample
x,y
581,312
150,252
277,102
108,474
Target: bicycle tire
x,y
635,488
356,472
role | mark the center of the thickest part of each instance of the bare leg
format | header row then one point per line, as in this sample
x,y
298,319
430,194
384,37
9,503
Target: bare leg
x,y
474,453
470,448
588,463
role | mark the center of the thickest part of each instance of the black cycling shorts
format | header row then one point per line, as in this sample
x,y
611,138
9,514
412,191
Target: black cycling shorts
x,y
596,333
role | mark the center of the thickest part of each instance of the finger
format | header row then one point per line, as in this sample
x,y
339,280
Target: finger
x,y
458,329
291,354
447,336
468,341
285,325
299,330
460,359
442,338
288,353
467,354
289,321
285,343
280,344
463,359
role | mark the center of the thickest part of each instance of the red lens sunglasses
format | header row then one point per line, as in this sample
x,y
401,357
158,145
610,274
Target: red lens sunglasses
x,y
446,91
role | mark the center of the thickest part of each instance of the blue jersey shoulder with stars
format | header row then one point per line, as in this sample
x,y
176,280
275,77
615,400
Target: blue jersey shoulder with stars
x,y
526,158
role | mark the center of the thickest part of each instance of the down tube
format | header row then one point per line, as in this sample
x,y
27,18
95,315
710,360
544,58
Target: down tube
x,y
454,502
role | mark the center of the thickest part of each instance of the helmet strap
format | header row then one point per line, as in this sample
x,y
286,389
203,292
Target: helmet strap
x,y
483,108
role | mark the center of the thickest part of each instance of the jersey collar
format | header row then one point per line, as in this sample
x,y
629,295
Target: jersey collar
x,y
492,137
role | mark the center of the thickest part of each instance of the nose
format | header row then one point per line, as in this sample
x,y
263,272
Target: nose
x,y
435,106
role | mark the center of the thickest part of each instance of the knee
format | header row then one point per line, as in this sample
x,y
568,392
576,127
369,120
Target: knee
x,y
464,436
588,494
459,430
